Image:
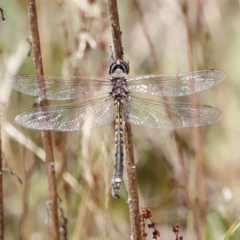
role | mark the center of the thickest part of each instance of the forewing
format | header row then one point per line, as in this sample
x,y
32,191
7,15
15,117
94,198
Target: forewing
x,y
69,118
60,88
155,114
176,85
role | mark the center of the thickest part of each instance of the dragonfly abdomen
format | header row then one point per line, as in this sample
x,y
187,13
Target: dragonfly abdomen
x,y
118,173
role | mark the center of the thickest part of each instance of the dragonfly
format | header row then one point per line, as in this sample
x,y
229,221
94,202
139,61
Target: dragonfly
x,y
132,100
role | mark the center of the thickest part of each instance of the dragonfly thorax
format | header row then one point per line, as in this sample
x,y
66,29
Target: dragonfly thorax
x,y
119,87
119,70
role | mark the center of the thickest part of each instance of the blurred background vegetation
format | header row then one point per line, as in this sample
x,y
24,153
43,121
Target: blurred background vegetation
x,y
75,39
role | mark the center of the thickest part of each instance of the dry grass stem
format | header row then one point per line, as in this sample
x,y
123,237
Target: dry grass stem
x,y
46,135
107,189
11,67
196,130
186,190
1,187
82,211
39,152
145,31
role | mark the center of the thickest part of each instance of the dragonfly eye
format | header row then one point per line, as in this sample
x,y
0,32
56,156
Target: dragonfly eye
x,y
118,64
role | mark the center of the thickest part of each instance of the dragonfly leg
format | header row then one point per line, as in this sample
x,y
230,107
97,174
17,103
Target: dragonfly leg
x,y
124,56
111,58
108,96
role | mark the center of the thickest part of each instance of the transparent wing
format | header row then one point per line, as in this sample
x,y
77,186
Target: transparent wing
x,y
69,118
176,85
55,88
155,114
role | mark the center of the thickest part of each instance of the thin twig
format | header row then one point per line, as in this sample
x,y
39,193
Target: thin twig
x,y
46,135
64,224
1,190
3,19
129,157
13,174
29,40
63,227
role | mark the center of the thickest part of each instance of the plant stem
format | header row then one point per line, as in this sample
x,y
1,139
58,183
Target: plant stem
x,y
196,130
186,189
115,28
46,135
1,189
133,201
147,35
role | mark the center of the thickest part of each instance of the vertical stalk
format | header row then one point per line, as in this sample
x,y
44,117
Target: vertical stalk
x,y
115,28
1,189
133,201
189,201
46,135
147,36
196,130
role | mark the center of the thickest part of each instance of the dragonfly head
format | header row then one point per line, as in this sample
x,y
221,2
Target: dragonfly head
x,y
117,65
